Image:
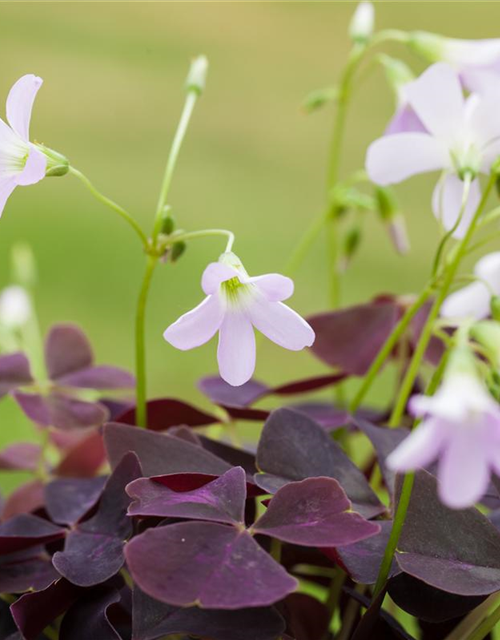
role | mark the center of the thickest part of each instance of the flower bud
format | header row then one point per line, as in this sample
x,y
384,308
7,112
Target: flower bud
x,y
362,23
178,248
317,99
352,240
428,45
393,219
197,75
57,164
15,307
168,222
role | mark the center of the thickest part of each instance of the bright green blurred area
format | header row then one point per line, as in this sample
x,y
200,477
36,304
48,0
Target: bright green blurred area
x,y
252,162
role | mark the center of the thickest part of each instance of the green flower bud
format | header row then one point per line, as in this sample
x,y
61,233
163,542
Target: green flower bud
x,y
352,240
319,98
428,45
362,23
168,223
197,75
178,248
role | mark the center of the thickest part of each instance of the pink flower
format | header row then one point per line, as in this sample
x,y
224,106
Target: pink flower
x,y
461,429
21,163
463,136
235,304
473,301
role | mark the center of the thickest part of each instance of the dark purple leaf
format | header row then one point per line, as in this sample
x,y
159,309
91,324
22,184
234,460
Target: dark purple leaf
x,y
455,551
84,458
69,499
88,617
93,551
225,395
307,618
235,457
293,447
361,560
324,413
428,603
366,326
376,623
24,531
66,350
153,620
222,500
61,411
307,385
164,413
314,512
159,453
8,627
21,456
185,433
217,566
100,377
29,570
14,372
384,441
26,498
35,611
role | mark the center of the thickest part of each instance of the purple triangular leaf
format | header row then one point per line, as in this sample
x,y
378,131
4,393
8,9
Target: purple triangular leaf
x,y
61,411
314,512
367,326
232,455
293,447
69,499
101,377
84,458
159,453
29,570
88,617
213,565
14,372
93,551
26,498
324,413
67,350
225,395
21,456
456,551
222,500
164,413
35,611
307,385
24,531
153,620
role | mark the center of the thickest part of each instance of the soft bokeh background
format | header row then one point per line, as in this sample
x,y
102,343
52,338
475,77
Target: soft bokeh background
x,y
252,162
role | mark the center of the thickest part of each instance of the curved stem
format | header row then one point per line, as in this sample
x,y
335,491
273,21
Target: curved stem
x,y
389,345
203,233
140,346
112,205
180,133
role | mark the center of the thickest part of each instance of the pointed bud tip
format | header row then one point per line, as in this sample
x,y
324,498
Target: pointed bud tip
x,y
362,22
197,75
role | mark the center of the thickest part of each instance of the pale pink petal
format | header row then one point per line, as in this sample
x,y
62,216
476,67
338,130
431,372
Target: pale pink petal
x,y
489,154
438,100
34,169
395,158
472,301
214,275
405,120
20,102
273,286
484,116
236,351
479,80
472,52
463,468
488,269
7,186
419,449
197,326
280,324
447,202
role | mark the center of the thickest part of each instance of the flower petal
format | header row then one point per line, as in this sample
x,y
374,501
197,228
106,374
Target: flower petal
x,y
463,469
419,449
472,301
438,101
395,158
214,275
34,169
20,103
280,324
447,202
7,186
472,52
236,351
197,326
488,268
273,286
405,120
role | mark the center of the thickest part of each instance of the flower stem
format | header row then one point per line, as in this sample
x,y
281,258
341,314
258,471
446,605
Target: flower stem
x,y
112,205
409,380
203,233
487,625
389,345
140,343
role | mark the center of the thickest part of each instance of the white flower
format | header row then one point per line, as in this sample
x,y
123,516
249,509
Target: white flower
x,y
362,22
15,307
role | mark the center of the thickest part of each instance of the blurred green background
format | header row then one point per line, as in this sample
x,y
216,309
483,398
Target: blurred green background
x,y
252,162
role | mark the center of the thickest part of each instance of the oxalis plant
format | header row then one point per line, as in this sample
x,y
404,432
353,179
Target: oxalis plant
x,y
146,520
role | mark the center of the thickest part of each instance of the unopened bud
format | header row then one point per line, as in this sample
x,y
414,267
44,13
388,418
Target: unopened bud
x,y
362,22
317,99
197,75
352,240
399,234
430,46
178,248
168,222
15,307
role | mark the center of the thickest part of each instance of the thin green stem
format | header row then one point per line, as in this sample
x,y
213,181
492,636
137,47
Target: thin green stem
x,y
409,380
305,243
487,625
389,345
111,204
180,133
140,343
203,233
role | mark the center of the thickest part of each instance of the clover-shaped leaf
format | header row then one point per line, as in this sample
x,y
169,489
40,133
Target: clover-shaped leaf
x,y
25,531
69,499
165,413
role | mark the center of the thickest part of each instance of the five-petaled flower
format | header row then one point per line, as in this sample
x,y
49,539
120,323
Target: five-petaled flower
x,y
462,138
235,304
21,163
461,428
